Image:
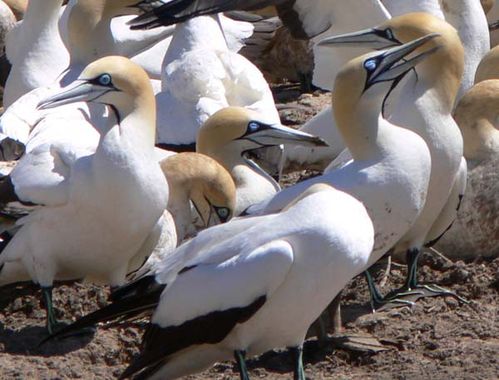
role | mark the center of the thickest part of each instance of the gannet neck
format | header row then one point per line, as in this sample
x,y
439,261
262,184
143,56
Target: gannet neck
x,y
468,18
196,33
477,115
358,118
179,207
89,32
39,15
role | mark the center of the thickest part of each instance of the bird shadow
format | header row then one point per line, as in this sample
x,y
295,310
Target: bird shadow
x,y
27,342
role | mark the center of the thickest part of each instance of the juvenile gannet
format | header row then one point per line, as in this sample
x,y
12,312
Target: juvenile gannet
x,y
474,233
489,66
259,288
107,203
230,133
200,75
425,104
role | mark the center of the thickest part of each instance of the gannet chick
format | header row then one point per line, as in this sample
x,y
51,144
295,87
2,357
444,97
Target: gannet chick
x,y
424,104
200,76
83,226
230,133
262,286
489,66
474,231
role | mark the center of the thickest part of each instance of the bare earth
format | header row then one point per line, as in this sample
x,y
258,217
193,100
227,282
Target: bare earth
x,y
439,338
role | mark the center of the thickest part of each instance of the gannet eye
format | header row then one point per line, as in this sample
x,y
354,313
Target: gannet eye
x,y
370,64
105,79
253,126
223,213
389,34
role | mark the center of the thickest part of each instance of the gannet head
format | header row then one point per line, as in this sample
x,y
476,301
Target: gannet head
x,y
477,115
487,5
114,81
208,185
489,66
315,188
443,70
371,77
246,130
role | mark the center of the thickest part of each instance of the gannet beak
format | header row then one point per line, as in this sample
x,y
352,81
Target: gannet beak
x,y
387,69
276,134
78,91
494,25
372,38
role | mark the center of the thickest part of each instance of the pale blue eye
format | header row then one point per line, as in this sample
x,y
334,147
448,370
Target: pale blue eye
x,y
105,79
370,64
253,127
389,34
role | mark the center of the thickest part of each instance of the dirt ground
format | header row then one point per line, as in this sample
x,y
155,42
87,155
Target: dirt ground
x,y
438,338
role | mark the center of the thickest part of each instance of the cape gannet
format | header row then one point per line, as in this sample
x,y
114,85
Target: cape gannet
x,y
255,288
305,19
230,133
424,104
390,170
465,15
475,229
201,76
85,227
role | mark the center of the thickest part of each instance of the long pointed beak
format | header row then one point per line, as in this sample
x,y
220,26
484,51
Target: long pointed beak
x,y
78,91
277,134
388,68
372,38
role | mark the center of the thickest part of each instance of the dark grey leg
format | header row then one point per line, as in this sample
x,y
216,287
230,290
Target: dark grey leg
x,y
47,298
243,372
298,372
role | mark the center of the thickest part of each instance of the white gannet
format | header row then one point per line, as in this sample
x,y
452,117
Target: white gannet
x,y
305,19
35,50
200,76
107,203
253,289
230,133
192,178
390,170
424,105
474,232
466,16
489,66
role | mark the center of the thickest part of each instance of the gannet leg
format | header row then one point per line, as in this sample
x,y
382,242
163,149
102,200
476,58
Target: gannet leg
x,y
412,289
298,372
47,298
379,302
241,363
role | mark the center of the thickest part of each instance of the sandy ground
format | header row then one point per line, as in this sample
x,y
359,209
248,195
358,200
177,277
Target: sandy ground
x,y
438,338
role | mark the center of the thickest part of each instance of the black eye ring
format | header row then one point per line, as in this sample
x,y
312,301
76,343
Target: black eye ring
x,y
389,34
105,79
222,212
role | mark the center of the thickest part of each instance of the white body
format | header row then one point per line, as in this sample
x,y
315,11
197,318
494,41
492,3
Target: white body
x,y
298,260
200,76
